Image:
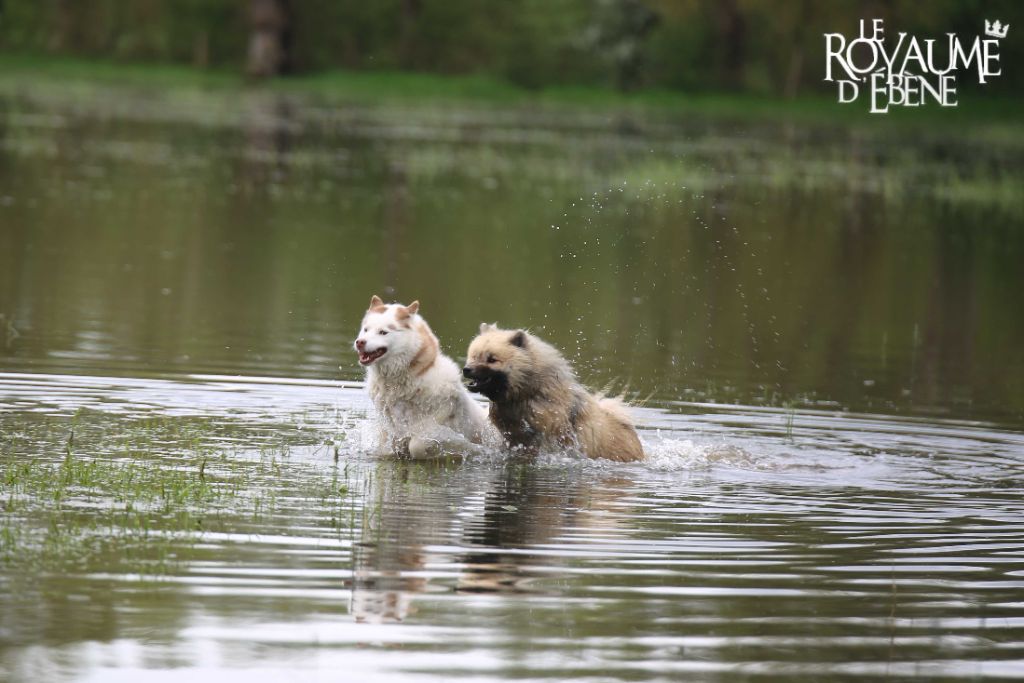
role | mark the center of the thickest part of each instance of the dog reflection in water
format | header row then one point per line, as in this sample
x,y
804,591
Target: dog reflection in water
x,y
423,504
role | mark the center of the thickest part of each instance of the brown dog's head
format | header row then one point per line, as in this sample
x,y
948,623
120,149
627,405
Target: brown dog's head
x,y
499,364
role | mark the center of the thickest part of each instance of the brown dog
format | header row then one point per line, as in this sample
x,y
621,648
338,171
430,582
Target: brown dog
x,y
538,405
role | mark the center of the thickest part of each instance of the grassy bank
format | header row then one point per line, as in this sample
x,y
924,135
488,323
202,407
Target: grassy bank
x,y
380,87
148,490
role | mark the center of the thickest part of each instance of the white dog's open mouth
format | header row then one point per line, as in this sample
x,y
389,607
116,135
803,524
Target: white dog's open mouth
x,y
367,357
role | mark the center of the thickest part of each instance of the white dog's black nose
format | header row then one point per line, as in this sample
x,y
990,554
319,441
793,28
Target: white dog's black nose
x,y
360,344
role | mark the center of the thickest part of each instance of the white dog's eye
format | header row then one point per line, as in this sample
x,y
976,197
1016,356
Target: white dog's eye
x,y
366,329
383,333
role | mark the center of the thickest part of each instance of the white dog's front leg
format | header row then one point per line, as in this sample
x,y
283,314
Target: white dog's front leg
x,y
422,448
435,445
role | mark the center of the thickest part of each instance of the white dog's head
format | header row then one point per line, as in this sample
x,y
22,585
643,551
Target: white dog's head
x,y
391,335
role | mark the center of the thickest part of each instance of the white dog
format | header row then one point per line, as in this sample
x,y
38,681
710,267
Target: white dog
x,y
417,390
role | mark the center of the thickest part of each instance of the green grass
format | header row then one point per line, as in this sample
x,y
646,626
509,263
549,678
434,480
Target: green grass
x,y
146,494
131,482
29,69
384,87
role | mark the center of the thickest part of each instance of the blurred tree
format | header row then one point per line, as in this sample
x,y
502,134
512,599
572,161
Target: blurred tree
x,y
732,35
539,47
63,23
794,17
617,34
410,15
269,40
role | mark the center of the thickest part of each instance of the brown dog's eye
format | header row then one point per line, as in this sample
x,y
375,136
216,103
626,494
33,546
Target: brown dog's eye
x,y
491,358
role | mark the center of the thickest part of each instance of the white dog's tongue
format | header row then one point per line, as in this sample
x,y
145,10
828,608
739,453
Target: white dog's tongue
x,y
366,358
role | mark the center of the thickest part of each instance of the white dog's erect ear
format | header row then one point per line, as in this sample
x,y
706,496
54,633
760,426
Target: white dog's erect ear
x,y
375,301
487,327
413,307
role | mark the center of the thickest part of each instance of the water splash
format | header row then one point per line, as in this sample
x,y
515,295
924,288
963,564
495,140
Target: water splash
x,y
668,454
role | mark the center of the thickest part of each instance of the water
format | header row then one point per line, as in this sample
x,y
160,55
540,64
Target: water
x,y
823,329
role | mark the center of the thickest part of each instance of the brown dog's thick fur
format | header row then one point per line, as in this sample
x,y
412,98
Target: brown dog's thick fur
x,y
538,405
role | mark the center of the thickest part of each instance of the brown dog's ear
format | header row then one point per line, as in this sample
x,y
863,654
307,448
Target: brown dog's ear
x,y
518,339
375,302
413,307
487,327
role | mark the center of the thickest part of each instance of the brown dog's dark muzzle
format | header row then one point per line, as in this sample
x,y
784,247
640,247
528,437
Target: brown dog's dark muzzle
x,y
483,380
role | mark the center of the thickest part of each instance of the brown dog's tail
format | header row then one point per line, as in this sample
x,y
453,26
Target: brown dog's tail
x,y
617,409
629,398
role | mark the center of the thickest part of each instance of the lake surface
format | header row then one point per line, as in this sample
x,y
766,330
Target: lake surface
x,y
821,326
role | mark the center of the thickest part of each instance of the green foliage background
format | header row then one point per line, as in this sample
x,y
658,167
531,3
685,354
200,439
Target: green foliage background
x,y
759,46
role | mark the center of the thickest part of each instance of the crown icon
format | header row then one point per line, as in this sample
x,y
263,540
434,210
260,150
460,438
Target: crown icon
x,y
996,30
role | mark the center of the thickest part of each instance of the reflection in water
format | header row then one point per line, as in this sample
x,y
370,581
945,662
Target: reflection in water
x,y
498,516
523,510
708,263
389,559
269,127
